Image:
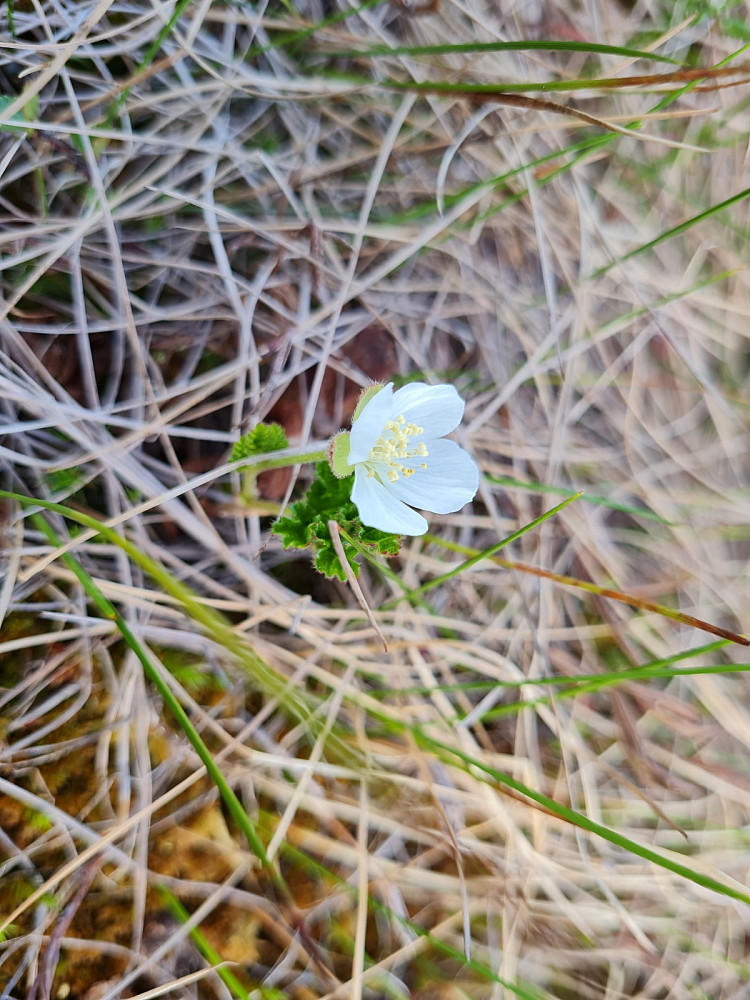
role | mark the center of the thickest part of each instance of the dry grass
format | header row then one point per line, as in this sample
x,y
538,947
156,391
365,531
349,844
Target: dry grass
x,y
217,229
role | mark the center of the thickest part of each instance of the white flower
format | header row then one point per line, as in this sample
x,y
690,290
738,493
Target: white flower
x,y
401,459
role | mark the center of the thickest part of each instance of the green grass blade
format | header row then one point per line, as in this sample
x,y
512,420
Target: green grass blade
x,y
485,553
521,45
214,624
108,610
674,231
204,946
534,86
302,860
459,757
659,669
146,61
573,154
298,35
587,497
595,588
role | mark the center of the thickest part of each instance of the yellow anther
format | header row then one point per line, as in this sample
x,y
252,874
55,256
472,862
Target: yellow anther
x,y
395,444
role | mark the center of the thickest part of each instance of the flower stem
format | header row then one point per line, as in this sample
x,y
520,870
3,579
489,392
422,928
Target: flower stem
x,y
287,460
256,464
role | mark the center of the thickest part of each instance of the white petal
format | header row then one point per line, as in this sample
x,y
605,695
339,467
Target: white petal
x,y
379,509
437,408
369,425
449,481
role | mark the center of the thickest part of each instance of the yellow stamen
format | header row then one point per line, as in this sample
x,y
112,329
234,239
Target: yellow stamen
x,y
395,444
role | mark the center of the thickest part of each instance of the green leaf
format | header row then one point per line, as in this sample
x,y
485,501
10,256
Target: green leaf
x,y
380,541
329,499
293,530
259,441
327,562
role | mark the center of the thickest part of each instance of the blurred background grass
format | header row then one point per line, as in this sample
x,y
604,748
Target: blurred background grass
x,y
220,213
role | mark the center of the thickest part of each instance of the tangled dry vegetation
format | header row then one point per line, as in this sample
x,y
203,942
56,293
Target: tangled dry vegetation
x,y
218,213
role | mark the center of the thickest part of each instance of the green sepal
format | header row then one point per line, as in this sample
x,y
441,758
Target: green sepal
x,y
364,398
338,455
329,499
259,441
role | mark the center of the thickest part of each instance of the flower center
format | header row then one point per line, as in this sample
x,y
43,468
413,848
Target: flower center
x,y
395,444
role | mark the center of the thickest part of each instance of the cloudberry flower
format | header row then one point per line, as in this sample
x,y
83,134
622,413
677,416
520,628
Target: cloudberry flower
x,y
401,460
